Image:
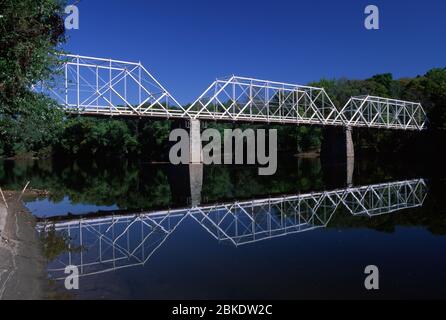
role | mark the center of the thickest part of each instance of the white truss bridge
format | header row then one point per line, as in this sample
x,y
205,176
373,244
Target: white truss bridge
x,y
94,86
102,244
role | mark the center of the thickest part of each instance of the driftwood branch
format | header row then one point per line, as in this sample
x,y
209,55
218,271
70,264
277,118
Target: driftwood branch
x,y
24,189
4,199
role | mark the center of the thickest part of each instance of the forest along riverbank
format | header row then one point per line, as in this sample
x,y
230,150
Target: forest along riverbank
x,y
22,267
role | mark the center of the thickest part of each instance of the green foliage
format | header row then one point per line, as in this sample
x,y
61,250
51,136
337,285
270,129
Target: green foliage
x,y
429,90
101,137
153,139
309,138
290,138
30,33
88,136
32,129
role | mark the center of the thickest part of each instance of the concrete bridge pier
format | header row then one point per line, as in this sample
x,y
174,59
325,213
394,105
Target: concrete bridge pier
x,y
189,176
196,183
186,183
196,162
349,143
338,154
195,150
350,170
337,144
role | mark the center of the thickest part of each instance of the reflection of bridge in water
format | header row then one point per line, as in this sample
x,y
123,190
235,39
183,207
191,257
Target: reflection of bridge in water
x,y
102,244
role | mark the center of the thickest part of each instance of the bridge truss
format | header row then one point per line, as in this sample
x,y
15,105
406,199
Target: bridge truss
x,y
376,112
109,243
87,85
94,86
246,99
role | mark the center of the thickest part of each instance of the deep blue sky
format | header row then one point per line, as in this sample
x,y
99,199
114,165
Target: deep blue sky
x,y
187,44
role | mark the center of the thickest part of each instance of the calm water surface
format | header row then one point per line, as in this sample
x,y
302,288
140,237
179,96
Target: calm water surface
x,y
157,231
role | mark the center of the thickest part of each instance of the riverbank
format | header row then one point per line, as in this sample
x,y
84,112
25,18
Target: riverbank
x,y
22,267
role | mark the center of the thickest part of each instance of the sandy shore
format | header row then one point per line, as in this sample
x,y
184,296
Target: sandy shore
x,y
22,268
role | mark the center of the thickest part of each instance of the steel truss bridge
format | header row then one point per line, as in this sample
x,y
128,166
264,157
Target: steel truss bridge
x,y
94,86
102,244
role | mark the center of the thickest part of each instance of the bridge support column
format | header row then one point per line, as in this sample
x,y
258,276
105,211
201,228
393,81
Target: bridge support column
x,y
349,142
196,151
338,154
196,183
350,170
337,144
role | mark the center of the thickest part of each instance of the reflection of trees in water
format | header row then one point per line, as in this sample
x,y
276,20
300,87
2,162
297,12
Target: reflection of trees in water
x,y
134,186
292,176
55,243
127,185
131,185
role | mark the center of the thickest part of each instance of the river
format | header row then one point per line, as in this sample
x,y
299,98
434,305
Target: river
x,y
155,231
